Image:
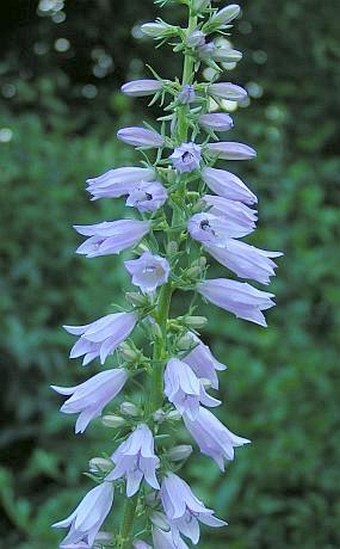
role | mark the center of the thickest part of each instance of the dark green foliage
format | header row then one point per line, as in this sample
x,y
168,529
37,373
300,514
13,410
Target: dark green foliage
x,y
282,387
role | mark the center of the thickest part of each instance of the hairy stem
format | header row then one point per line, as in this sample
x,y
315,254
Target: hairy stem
x,y
126,531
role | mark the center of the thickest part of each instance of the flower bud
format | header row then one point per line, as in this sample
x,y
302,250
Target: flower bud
x,y
136,299
225,15
216,121
159,29
195,322
185,343
200,5
140,137
159,416
174,415
129,409
100,465
227,55
129,354
180,452
141,88
226,90
196,38
113,421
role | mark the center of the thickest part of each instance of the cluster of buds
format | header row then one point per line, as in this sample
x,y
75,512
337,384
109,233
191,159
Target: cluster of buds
x,y
174,225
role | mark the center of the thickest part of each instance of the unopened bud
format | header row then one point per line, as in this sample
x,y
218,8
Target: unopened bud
x,y
180,452
195,322
227,55
159,416
185,343
100,465
174,415
113,421
159,520
136,299
225,15
159,29
196,38
200,5
197,267
128,354
129,409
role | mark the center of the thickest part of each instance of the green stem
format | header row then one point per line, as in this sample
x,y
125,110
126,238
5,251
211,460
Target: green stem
x,y
159,355
126,531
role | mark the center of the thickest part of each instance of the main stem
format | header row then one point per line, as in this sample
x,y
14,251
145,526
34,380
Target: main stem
x,y
156,387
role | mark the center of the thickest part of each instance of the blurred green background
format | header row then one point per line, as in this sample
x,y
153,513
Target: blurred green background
x,y
61,67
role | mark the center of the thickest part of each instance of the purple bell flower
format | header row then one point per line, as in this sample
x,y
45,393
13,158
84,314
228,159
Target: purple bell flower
x,y
195,39
230,150
228,91
89,398
139,544
186,157
231,211
216,121
184,510
140,137
239,298
216,230
187,94
245,260
184,390
228,185
213,438
102,337
135,458
167,538
203,363
117,182
147,197
148,271
141,88
87,519
111,237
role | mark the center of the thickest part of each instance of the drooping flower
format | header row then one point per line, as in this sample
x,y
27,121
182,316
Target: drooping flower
x,y
228,185
203,363
230,150
227,90
147,196
118,182
231,210
245,260
111,237
140,137
102,337
134,459
184,510
167,537
87,519
148,271
212,437
89,398
216,121
186,157
216,230
239,298
141,88
187,94
184,389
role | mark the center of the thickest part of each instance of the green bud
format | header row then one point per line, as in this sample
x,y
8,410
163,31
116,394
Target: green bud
x,y
136,299
225,15
129,354
129,409
100,465
174,415
159,29
195,322
185,343
113,421
159,416
197,267
227,55
200,5
180,452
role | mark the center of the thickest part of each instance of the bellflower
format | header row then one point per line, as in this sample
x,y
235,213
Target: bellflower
x,y
195,39
203,363
135,458
213,438
186,157
246,261
148,271
230,150
231,210
167,539
102,337
184,390
147,197
118,182
216,230
111,237
87,519
187,94
184,510
226,55
227,90
239,298
228,185
216,121
142,88
140,137
89,398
